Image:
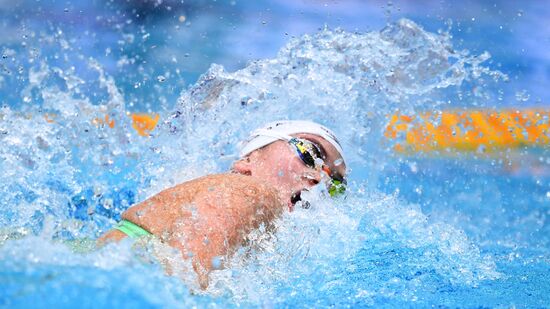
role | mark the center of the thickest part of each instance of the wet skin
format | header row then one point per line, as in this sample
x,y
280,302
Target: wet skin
x,y
211,216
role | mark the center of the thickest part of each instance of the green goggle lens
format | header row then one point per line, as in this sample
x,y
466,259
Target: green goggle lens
x,y
336,188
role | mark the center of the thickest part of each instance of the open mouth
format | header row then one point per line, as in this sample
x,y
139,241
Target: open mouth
x,y
296,199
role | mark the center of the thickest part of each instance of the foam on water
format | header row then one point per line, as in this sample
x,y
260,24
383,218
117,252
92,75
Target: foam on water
x,y
72,179
328,247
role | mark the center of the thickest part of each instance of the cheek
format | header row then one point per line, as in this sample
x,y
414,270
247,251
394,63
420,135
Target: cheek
x,y
289,170
286,169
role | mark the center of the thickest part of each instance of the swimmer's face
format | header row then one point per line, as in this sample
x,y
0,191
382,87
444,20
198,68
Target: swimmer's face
x,y
279,165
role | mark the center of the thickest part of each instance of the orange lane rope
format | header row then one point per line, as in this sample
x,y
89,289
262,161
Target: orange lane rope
x,y
469,130
459,131
144,123
104,121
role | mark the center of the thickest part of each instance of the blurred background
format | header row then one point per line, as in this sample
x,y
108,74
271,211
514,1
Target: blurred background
x,y
155,48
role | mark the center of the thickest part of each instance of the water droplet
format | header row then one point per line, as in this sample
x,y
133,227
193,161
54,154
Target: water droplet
x,y
414,167
66,10
520,13
216,262
182,18
246,100
108,203
161,78
481,149
522,96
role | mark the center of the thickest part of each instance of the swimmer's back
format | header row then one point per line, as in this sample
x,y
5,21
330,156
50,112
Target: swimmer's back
x,y
220,195
207,216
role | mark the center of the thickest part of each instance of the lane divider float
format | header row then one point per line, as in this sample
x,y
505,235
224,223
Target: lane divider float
x,y
455,130
469,130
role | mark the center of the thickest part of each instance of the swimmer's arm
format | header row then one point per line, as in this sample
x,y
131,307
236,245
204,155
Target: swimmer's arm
x,y
205,238
222,228
113,235
214,233
211,236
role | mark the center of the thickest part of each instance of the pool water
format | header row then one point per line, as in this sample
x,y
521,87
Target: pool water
x,y
414,230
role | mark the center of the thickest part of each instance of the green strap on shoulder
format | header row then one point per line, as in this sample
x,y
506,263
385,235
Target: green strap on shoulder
x,y
131,229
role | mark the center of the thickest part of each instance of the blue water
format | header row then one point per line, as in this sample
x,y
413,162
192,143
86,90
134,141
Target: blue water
x,y
467,230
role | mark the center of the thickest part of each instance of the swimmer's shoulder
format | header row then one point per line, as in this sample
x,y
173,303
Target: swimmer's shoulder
x,y
235,181
237,188
189,190
241,197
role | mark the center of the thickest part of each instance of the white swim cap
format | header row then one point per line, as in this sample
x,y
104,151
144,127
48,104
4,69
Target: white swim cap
x,y
281,130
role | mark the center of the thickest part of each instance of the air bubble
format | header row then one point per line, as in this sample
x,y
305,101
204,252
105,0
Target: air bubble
x,y
522,96
216,262
520,13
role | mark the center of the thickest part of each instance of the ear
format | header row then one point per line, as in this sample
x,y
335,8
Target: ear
x,y
243,166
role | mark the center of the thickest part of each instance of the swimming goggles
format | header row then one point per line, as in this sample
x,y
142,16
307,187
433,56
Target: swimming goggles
x,y
311,155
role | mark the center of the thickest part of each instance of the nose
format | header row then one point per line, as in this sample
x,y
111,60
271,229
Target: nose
x,y
312,179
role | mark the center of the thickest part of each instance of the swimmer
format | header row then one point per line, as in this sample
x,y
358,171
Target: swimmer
x,y
210,217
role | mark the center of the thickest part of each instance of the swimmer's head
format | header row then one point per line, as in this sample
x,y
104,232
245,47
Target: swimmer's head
x,y
294,156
